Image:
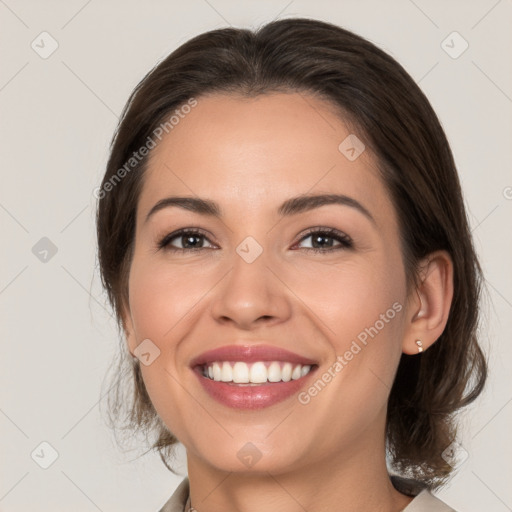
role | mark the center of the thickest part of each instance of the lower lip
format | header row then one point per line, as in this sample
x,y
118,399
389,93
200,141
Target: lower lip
x,y
254,396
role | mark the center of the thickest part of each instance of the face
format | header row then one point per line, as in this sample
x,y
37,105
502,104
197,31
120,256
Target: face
x,y
314,286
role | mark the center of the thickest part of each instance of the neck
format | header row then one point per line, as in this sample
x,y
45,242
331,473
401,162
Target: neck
x,y
354,480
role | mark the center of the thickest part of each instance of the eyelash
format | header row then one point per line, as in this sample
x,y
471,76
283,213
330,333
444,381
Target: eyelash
x,y
345,240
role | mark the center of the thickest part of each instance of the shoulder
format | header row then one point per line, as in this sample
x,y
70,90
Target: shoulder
x,y
178,500
424,500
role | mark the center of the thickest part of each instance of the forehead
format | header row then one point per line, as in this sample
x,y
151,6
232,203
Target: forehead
x,y
261,149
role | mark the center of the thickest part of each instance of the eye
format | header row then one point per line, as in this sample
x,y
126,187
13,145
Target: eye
x,y
323,240
188,239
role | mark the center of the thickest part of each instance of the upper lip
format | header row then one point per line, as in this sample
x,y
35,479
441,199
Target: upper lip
x,y
250,354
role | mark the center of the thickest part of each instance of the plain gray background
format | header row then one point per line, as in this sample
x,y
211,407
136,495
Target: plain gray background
x,y
57,117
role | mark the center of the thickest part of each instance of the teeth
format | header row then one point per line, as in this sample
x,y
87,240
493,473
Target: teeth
x,y
286,372
227,372
240,373
217,372
274,372
255,373
296,374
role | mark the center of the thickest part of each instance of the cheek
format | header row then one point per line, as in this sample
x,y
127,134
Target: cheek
x,y
162,296
349,297
162,302
360,308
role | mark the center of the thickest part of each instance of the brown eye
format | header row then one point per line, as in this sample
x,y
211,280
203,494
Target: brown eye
x,y
186,239
327,240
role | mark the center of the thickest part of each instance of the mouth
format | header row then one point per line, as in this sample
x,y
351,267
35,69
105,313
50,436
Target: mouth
x,y
252,377
260,372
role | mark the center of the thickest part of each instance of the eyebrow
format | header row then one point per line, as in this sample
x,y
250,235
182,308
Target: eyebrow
x,y
290,207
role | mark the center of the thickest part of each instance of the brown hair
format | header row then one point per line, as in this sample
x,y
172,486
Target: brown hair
x,y
400,128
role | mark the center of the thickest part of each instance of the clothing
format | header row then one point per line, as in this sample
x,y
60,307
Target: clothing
x,y
424,500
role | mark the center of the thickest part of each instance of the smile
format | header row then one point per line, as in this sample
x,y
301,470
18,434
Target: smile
x,y
252,377
259,372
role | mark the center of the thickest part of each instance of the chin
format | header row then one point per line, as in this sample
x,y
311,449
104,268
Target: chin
x,y
251,458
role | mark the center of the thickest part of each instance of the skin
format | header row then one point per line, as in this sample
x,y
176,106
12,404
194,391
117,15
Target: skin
x,y
250,155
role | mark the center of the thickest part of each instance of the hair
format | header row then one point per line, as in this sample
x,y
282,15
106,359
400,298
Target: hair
x,y
372,92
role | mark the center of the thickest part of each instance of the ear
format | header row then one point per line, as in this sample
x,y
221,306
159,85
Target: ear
x,y
129,330
429,304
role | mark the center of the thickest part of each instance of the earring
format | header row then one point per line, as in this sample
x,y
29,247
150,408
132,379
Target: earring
x,y
420,345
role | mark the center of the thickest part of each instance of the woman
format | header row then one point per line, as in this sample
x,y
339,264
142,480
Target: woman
x,y
282,236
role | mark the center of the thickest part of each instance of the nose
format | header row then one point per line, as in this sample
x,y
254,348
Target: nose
x,y
251,295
